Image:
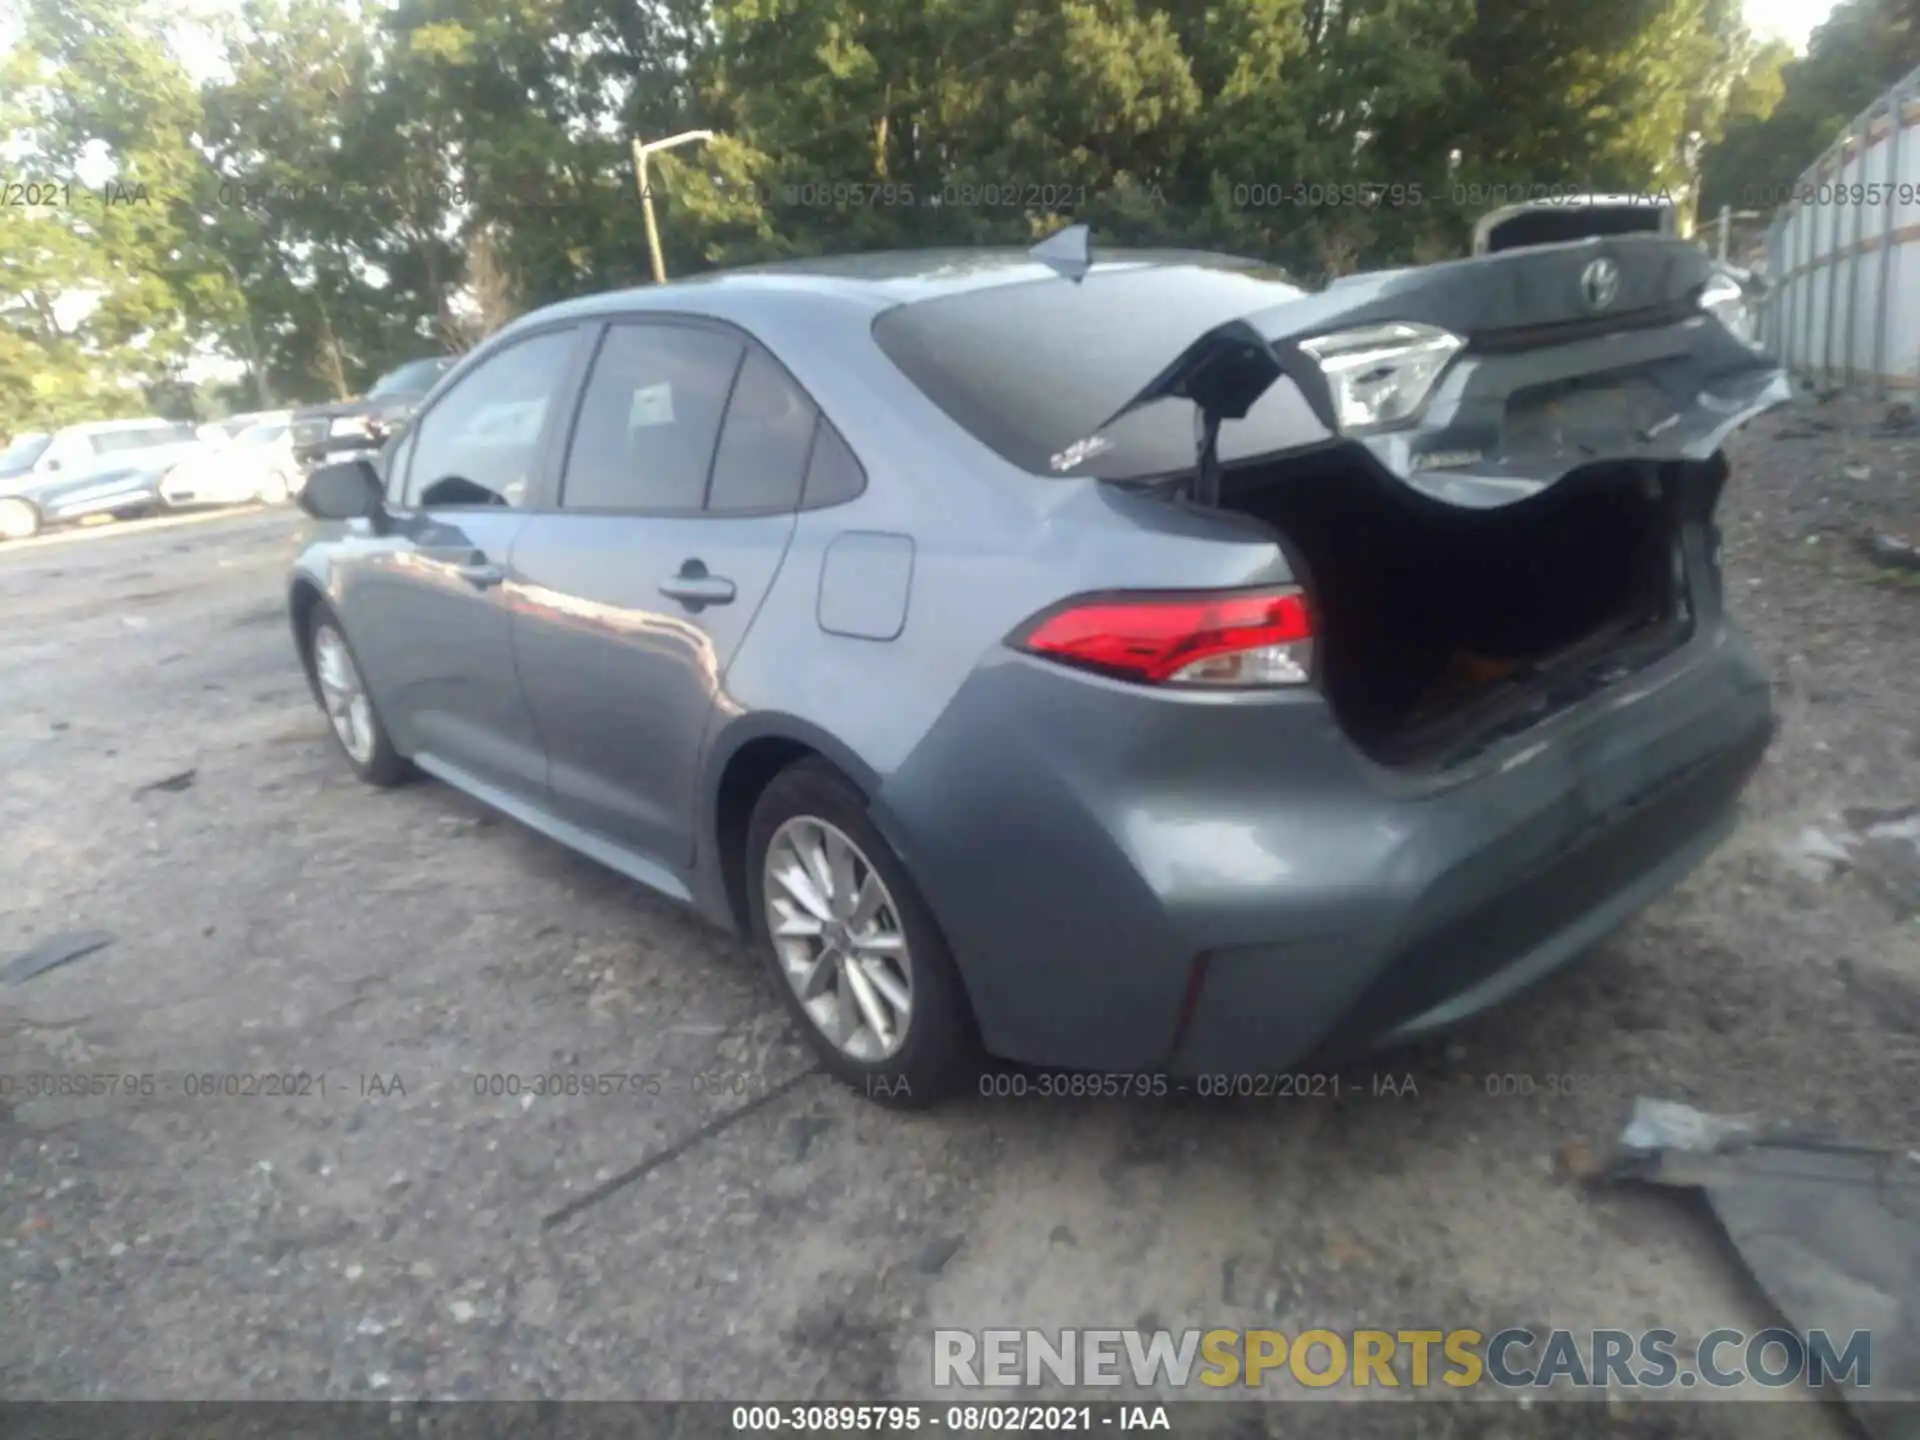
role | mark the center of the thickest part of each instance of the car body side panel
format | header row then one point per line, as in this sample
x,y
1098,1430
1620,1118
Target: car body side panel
x,y
991,547
621,679
436,652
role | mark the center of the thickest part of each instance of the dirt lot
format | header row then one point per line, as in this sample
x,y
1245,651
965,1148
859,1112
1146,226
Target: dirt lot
x,y
402,1234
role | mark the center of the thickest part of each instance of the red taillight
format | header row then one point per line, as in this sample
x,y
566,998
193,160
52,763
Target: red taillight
x,y
1233,638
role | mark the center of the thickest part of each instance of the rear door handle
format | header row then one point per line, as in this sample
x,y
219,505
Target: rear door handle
x,y
694,587
481,573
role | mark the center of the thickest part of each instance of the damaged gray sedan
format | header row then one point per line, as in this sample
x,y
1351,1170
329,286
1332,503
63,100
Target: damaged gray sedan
x,y
1139,665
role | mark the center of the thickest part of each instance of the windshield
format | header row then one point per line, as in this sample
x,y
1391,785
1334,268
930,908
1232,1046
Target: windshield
x,y
264,432
21,454
414,378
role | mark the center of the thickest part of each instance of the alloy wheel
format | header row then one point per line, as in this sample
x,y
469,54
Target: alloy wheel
x,y
343,694
837,933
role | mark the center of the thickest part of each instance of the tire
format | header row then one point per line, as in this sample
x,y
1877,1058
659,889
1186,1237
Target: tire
x,y
370,751
937,1051
19,520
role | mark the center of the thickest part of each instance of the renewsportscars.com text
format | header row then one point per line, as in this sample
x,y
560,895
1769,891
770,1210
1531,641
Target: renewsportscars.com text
x,y
1510,1359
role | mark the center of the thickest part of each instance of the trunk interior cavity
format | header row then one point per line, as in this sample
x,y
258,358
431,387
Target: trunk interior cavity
x,y
1440,629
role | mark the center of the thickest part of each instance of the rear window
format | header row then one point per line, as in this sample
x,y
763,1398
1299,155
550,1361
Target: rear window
x,y
1030,368
1555,226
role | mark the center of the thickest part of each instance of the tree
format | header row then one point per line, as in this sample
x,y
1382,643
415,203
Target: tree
x,y
1861,50
100,289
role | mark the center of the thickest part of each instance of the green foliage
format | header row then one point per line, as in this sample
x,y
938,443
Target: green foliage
x,y
359,185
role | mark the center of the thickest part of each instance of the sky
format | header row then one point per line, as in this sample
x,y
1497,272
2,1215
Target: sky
x,y
1789,20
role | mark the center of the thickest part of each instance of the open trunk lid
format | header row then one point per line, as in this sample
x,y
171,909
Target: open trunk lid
x,y
1536,362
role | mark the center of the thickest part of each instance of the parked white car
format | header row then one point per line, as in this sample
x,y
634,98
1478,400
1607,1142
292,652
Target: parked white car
x,y
256,465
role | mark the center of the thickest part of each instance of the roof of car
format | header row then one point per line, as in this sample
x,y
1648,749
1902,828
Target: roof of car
x,y
882,279
144,422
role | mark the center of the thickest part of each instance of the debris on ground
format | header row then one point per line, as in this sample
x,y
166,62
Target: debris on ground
x,y
1830,1229
935,1254
171,785
55,951
1899,420
1881,845
1890,550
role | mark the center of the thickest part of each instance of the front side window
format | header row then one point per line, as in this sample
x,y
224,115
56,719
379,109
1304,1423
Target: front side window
x,y
650,418
480,443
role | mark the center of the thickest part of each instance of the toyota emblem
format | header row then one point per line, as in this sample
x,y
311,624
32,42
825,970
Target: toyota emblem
x,y
1599,283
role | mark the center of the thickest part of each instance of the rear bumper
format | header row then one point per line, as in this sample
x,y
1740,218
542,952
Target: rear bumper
x,y
1456,966
1132,881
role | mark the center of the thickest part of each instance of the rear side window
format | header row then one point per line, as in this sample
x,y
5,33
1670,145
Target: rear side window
x,y
650,419
113,442
833,474
762,459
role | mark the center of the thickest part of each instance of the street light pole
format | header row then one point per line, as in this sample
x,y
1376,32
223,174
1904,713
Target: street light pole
x,y
640,153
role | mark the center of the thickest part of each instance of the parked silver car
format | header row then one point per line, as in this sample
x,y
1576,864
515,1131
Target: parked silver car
x,y
1142,666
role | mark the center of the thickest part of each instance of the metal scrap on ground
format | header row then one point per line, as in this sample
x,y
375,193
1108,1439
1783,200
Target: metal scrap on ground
x,y
1829,1229
55,951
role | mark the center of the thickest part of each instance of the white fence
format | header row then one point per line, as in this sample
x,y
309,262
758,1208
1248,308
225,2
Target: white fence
x,y
1843,254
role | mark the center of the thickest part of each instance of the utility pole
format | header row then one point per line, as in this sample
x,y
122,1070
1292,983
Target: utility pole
x,y
640,153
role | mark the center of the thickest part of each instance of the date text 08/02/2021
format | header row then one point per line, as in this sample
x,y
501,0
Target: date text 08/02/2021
x,y
1240,1085
1043,1419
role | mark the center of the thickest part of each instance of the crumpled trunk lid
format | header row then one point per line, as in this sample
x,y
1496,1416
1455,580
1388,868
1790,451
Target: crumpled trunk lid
x,y
1596,350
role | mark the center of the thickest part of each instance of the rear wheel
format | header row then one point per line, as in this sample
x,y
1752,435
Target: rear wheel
x,y
855,954
18,520
348,706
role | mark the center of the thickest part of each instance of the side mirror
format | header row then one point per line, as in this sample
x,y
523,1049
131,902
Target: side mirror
x,y
344,490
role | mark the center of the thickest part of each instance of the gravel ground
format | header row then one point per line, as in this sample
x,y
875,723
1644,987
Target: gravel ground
x,y
401,1234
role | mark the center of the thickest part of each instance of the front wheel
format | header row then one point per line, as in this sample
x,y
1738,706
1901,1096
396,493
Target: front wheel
x,y
18,520
857,957
348,706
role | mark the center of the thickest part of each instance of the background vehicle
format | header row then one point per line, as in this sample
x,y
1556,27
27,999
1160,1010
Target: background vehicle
x,y
257,464
101,467
234,424
354,424
885,609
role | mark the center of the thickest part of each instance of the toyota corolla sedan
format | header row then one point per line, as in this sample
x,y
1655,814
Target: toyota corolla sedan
x,y
1138,664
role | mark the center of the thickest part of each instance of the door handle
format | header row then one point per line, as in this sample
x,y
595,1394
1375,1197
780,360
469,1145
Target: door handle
x,y
694,587
480,572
